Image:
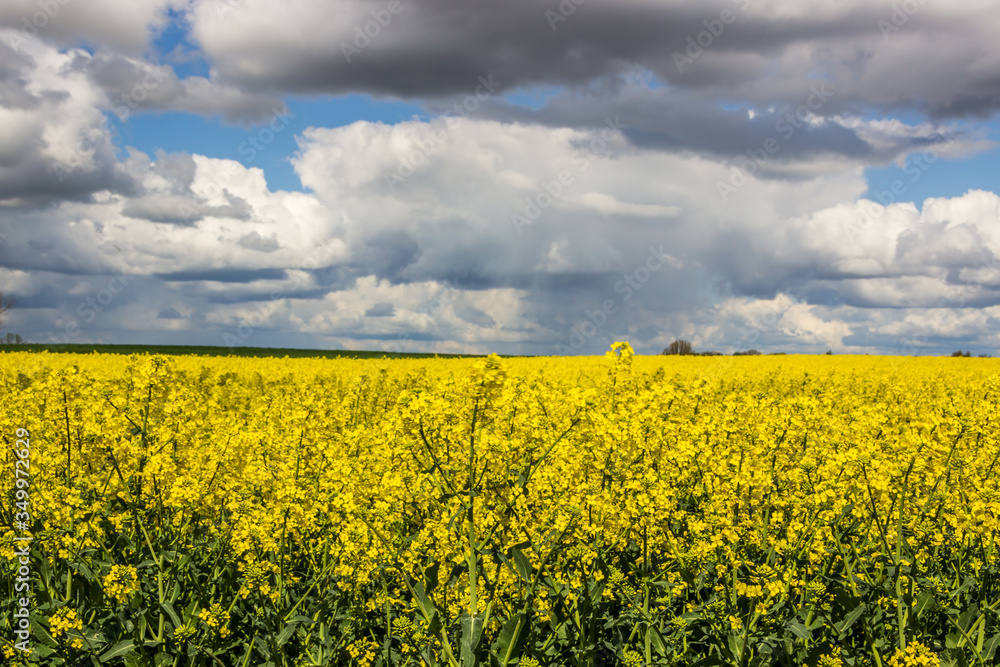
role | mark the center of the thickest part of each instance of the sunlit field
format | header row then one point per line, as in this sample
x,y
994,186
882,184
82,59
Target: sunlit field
x,y
617,510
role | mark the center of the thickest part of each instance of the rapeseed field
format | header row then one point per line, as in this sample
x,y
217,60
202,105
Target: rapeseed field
x,y
625,510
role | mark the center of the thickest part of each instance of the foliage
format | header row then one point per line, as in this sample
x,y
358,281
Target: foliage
x,y
588,511
679,347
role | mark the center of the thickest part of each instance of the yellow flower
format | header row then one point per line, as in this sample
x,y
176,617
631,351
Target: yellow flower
x,y
216,618
121,582
63,620
363,652
915,655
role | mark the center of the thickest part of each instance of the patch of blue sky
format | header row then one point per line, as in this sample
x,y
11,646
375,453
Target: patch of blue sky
x,y
533,97
258,145
172,46
924,174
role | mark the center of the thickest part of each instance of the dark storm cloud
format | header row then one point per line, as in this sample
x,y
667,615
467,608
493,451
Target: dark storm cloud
x,y
381,309
225,275
183,210
763,54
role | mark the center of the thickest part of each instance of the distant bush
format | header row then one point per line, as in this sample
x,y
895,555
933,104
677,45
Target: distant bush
x,y
745,353
679,347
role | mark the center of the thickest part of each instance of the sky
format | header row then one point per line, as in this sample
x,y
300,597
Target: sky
x,y
537,177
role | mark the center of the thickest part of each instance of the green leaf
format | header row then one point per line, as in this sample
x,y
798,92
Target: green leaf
x,y
508,644
286,633
597,592
654,638
990,647
849,620
135,659
42,650
736,645
522,564
431,576
169,608
924,601
965,620
472,632
118,650
799,630
709,662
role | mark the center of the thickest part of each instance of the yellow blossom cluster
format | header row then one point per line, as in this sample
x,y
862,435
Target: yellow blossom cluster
x,y
216,618
707,490
121,582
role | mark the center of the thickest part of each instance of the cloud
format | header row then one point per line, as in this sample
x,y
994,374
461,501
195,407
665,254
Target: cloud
x,y
381,309
692,171
765,54
125,27
440,258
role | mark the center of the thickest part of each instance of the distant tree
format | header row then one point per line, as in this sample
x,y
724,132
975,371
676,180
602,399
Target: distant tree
x,y
746,353
711,353
829,352
958,353
679,347
11,339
